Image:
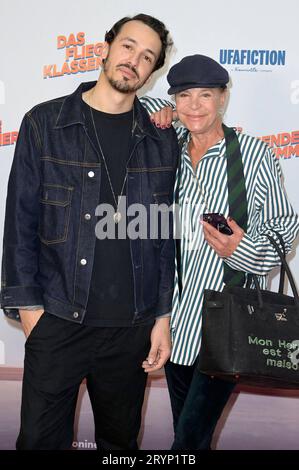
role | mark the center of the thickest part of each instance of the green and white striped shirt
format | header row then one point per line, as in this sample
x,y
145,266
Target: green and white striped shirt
x,y
206,187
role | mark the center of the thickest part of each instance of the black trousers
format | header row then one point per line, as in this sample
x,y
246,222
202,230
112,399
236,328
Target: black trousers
x,y
197,402
58,355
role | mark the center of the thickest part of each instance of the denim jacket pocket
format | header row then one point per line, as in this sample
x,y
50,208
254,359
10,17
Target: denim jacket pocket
x,y
162,221
55,206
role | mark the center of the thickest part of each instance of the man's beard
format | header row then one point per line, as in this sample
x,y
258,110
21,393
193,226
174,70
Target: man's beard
x,y
122,85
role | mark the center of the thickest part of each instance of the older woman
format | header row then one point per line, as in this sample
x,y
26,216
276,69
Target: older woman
x,y
200,87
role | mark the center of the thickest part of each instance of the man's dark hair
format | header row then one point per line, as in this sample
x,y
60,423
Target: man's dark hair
x,y
153,23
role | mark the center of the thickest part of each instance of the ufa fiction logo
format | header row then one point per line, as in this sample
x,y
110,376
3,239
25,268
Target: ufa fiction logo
x,y
79,56
252,60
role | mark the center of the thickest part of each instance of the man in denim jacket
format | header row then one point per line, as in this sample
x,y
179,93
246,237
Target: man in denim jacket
x,y
91,307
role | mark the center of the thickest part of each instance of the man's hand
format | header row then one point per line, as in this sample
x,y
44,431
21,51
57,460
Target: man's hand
x,y
164,117
29,319
160,346
224,245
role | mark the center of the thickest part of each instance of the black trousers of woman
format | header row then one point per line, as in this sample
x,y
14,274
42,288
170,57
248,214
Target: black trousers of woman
x,y
197,402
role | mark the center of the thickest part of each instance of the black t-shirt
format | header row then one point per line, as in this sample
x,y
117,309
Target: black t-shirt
x,y
111,294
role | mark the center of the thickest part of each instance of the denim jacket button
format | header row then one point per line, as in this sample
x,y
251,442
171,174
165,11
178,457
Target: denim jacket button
x,y
75,314
83,262
91,174
87,216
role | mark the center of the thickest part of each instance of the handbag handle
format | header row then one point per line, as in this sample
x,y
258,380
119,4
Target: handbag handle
x,y
282,269
250,277
286,270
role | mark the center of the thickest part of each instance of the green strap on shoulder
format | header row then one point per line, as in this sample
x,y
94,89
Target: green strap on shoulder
x,y
237,199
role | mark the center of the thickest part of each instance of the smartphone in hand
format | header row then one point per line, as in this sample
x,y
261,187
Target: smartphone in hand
x,y
218,221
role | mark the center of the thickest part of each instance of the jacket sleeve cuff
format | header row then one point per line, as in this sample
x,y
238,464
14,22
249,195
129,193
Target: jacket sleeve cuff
x,y
165,315
164,305
29,307
256,257
13,297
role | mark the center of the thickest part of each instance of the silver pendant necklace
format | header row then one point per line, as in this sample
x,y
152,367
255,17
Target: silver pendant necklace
x,y
117,214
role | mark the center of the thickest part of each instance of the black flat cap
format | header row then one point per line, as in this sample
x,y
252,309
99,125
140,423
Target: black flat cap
x,y
196,71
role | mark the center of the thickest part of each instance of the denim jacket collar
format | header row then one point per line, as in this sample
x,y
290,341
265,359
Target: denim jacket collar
x,y
71,113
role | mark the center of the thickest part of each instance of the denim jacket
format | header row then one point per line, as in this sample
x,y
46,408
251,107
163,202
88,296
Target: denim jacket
x,y
53,190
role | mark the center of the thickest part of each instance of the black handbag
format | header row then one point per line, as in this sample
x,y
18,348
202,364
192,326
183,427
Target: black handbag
x,y
251,336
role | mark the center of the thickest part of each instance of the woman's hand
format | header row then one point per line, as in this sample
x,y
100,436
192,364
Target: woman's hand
x,y
224,245
163,118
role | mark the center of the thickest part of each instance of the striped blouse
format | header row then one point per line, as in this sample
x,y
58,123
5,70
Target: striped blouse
x,y
205,190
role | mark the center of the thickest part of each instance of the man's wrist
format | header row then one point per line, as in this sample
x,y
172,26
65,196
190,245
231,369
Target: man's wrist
x,y
163,319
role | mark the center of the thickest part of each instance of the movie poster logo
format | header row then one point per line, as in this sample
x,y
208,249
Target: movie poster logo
x,y
79,56
8,137
252,60
285,145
